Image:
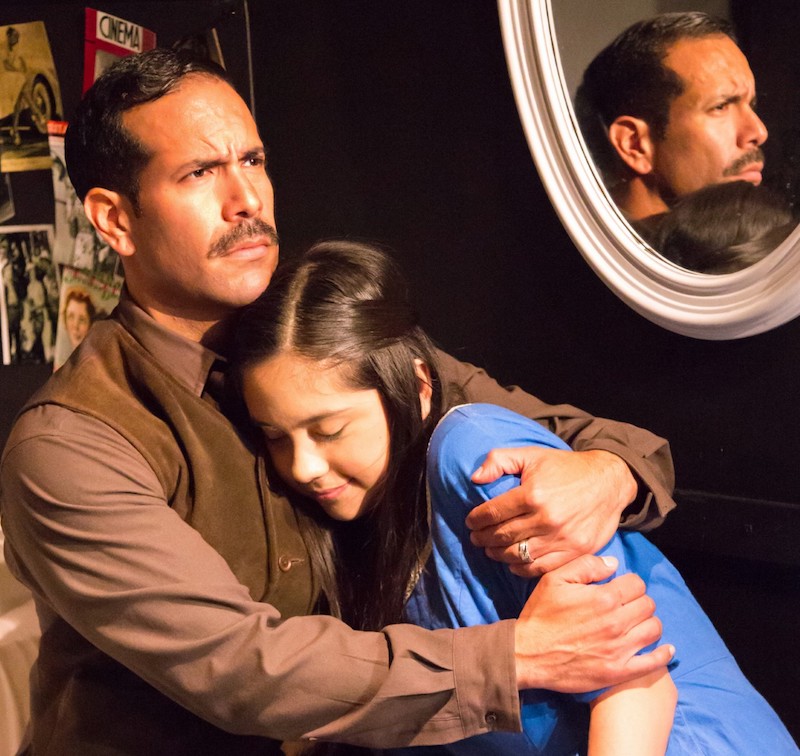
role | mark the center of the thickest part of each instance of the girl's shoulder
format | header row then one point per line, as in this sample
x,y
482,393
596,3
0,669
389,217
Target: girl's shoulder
x,y
466,434
488,426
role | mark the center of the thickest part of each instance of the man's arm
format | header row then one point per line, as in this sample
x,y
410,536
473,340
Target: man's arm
x,y
569,503
579,627
89,531
102,550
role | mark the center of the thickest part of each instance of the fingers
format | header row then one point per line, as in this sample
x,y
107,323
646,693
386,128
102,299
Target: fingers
x,y
586,569
644,664
503,462
628,588
575,637
646,630
540,565
498,514
547,562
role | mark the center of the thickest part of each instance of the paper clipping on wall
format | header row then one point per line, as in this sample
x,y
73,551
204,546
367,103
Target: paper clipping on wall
x,y
76,242
30,96
29,295
108,39
85,299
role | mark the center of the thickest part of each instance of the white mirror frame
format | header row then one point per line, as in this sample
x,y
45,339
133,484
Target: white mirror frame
x,y
728,306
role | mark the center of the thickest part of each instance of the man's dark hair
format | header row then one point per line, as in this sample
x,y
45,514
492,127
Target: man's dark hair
x,y
629,78
99,150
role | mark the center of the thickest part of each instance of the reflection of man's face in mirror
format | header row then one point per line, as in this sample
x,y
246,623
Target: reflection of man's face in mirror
x,y
713,133
677,112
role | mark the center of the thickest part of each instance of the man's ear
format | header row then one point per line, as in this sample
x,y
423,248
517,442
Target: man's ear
x,y
110,213
631,139
425,386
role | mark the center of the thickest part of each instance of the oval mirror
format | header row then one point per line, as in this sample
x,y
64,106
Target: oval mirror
x,y
724,306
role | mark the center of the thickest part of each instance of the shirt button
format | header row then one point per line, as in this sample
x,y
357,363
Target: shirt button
x,y
490,719
285,562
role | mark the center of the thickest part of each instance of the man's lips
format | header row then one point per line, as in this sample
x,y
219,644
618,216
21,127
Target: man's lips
x,y
751,173
257,234
747,167
249,248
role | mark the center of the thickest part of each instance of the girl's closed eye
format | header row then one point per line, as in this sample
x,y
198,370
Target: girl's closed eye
x,y
272,435
328,434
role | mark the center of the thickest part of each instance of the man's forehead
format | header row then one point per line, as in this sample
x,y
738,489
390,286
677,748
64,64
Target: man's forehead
x,y
201,110
710,63
195,87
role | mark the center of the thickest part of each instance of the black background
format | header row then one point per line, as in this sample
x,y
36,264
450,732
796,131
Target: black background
x,y
395,122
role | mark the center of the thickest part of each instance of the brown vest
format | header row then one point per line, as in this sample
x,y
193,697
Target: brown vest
x,y
214,481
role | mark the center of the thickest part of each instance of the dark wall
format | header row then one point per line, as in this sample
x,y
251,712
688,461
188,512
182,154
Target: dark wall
x,y
395,122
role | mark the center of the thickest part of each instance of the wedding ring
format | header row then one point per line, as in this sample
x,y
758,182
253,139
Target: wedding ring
x,y
524,554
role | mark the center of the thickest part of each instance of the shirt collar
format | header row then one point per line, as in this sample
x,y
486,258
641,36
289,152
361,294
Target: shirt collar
x,y
189,362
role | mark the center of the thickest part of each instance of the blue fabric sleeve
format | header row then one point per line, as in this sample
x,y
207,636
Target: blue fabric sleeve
x,y
476,589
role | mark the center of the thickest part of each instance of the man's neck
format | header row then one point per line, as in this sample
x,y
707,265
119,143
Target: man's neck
x,y
638,199
212,333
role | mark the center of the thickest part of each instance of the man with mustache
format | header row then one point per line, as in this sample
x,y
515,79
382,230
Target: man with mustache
x,y
171,580
668,108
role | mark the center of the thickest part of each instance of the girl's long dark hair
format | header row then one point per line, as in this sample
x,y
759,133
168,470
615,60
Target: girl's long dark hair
x,y
346,305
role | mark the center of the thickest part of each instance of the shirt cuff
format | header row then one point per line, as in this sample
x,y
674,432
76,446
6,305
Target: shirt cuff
x,y
486,678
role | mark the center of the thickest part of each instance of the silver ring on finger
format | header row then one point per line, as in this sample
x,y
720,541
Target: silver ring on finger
x,y
524,554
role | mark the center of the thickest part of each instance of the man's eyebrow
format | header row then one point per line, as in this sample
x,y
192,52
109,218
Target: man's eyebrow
x,y
255,152
729,99
259,153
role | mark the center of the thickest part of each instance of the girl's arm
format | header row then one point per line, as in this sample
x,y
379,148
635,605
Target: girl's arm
x,y
634,718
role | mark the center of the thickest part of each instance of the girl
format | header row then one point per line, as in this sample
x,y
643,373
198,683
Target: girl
x,y
344,387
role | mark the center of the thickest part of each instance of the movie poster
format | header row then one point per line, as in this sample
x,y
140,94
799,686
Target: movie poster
x,y
108,39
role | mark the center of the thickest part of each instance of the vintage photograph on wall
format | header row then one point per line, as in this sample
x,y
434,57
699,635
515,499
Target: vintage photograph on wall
x,y
84,300
30,96
29,306
75,241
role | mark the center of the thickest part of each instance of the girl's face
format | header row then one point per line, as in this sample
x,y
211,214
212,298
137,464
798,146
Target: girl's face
x,y
327,441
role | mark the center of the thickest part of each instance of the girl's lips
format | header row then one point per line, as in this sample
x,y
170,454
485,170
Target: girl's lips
x,y
329,494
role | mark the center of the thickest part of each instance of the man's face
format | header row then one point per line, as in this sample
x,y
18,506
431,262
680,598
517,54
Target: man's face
x,y
204,241
713,134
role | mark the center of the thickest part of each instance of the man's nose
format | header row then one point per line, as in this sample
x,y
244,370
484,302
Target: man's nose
x,y
753,131
242,196
308,464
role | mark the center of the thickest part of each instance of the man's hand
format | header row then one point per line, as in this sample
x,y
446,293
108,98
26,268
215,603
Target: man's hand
x,y
574,637
567,504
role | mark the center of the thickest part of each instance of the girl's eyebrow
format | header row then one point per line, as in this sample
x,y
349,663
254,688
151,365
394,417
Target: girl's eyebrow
x,y
307,421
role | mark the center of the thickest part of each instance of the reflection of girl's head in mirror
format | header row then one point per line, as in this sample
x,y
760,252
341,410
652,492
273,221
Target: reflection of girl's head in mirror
x,y
667,108
721,228
79,314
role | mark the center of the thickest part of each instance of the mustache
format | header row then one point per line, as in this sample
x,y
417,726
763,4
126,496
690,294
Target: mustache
x,y
254,229
755,155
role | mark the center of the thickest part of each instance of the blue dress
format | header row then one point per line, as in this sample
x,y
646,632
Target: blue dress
x,y
718,712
